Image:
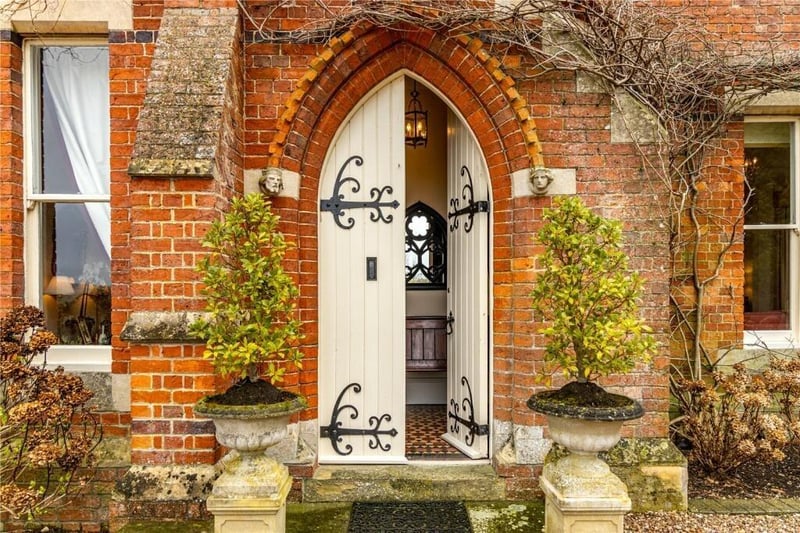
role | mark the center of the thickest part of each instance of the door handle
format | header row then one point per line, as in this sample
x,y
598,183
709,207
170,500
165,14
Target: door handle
x,y
449,324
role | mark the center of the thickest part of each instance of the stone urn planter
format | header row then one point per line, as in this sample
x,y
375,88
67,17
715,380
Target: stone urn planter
x,y
252,333
580,489
587,301
250,494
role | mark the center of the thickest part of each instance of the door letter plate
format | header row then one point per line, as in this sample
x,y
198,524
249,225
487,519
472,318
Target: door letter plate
x,y
372,268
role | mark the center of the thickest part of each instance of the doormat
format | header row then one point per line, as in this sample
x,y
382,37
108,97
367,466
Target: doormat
x,y
397,517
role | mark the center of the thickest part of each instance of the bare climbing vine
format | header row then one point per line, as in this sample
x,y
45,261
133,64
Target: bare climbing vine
x,y
690,83
30,8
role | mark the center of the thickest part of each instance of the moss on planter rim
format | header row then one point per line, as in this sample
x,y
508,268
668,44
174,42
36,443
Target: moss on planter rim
x,y
206,407
585,401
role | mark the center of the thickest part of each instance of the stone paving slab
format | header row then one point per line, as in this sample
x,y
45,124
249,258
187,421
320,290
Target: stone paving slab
x,y
768,506
485,516
348,483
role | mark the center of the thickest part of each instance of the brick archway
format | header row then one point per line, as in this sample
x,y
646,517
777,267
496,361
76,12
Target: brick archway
x,y
460,70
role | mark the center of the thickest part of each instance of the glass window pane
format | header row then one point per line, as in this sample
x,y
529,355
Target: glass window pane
x,y
75,120
425,249
766,279
76,277
768,166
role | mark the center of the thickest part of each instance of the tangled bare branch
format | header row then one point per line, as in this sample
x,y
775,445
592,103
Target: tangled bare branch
x,y
31,8
690,81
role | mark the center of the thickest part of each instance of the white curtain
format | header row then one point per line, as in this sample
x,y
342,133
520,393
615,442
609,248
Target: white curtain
x,y
75,81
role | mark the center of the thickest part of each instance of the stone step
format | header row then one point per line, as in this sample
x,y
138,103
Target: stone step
x,y
411,482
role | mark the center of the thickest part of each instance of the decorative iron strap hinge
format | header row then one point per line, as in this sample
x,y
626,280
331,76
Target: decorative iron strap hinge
x,y
469,409
337,205
472,207
334,431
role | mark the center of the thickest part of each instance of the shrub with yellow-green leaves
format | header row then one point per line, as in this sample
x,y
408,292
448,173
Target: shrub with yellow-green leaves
x,y
250,328
586,295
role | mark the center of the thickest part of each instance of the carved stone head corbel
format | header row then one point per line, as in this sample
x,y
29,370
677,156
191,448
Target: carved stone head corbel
x,y
271,181
540,179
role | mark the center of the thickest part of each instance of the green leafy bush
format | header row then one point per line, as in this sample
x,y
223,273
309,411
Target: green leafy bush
x,y
250,328
48,433
586,295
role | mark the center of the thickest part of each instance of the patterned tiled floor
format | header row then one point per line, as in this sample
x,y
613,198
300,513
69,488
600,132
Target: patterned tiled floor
x,y
425,425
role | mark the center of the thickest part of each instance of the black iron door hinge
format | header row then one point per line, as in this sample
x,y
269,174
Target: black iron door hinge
x,y
337,205
472,207
469,412
335,432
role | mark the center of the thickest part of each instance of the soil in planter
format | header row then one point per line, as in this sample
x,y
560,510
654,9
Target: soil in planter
x,y
248,392
587,395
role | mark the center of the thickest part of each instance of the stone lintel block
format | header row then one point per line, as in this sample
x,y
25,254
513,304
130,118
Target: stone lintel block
x,y
75,16
777,103
172,168
753,358
632,122
153,326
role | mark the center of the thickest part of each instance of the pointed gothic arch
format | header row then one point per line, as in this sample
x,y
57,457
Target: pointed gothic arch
x,y
457,67
459,70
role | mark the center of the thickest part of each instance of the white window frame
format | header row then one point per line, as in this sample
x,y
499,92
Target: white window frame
x,y
75,358
788,338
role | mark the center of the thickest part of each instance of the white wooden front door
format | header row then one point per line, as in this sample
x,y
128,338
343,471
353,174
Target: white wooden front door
x,y
467,294
361,379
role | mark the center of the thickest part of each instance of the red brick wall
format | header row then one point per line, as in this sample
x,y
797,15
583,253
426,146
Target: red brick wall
x,y
168,217
87,512
11,186
719,207
130,53
294,98
571,126
740,26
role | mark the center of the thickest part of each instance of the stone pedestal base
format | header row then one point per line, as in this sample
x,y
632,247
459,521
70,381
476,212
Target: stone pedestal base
x,y
583,495
250,496
254,514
